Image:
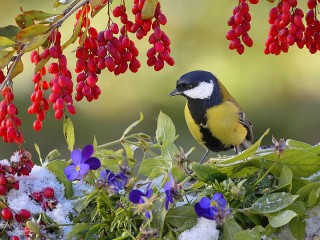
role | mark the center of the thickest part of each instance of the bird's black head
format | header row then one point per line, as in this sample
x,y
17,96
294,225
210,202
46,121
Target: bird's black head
x,y
198,85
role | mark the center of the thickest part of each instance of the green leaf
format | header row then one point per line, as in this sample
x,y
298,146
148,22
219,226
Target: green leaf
x,y
313,197
166,131
75,34
68,132
9,31
132,126
304,192
285,180
241,156
297,144
298,207
298,228
78,229
207,173
5,42
250,234
181,216
301,162
152,167
273,202
38,151
41,64
53,155
149,8
93,232
18,68
35,42
5,58
230,228
169,151
281,218
245,172
315,149
57,167
27,34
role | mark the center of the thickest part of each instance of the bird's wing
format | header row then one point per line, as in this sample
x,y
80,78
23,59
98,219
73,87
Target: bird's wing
x,y
247,124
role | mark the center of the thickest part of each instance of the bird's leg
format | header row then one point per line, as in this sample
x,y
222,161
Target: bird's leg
x,y
204,156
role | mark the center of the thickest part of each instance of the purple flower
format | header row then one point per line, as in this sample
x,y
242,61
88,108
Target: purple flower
x,y
138,197
215,208
171,190
81,163
113,183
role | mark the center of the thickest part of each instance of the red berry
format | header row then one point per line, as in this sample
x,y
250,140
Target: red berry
x,y
48,192
6,214
3,190
23,213
37,125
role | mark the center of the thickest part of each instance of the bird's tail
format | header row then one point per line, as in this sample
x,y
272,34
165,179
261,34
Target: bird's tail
x,y
243,146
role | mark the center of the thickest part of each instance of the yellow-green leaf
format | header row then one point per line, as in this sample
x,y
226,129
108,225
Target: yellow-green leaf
x,y
36,42
149,9
68,132
95,3
18,68
41,64
27,34
5,42
75,34
5,58
39,15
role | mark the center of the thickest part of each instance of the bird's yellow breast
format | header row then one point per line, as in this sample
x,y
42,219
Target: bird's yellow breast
x,y
223,122
193,127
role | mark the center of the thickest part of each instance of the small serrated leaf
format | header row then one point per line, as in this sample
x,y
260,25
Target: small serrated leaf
x,y
68,132
152,167
166,131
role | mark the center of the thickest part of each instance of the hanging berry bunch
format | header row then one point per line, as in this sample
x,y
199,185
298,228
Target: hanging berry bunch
x,y
287,27
112,49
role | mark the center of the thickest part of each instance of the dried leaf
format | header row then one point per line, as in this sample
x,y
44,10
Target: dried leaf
x,y
18,68
24,20
36,42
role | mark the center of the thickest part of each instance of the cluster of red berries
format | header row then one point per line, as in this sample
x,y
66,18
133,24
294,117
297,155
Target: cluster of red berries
x,y
286,27
9,121
21,216
312,31
45,198
160,51
21,165
61,84
240,24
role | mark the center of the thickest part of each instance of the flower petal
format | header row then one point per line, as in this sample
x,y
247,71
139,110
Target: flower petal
x,y
205,203
87,152
169,184
76,156
147,214
134,195
71,173
84,169
93,162
201,212
219,199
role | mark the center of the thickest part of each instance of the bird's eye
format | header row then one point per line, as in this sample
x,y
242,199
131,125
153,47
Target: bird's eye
x,y
188,86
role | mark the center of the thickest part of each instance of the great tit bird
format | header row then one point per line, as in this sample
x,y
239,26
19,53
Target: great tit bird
x,y
213,116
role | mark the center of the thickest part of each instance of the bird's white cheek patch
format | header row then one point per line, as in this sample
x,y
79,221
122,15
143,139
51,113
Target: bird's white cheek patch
x,y
202,91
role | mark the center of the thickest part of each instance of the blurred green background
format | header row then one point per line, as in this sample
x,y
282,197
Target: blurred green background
x,y
277,92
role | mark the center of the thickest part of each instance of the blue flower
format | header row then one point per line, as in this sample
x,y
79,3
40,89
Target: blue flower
x,y
113,183
138,197
171,190
81,163
215,208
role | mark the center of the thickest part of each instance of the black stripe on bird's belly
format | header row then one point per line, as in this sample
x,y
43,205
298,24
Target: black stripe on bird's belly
x,y
212,143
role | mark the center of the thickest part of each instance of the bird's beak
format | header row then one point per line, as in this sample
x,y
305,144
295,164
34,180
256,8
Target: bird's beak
x,y
174,92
